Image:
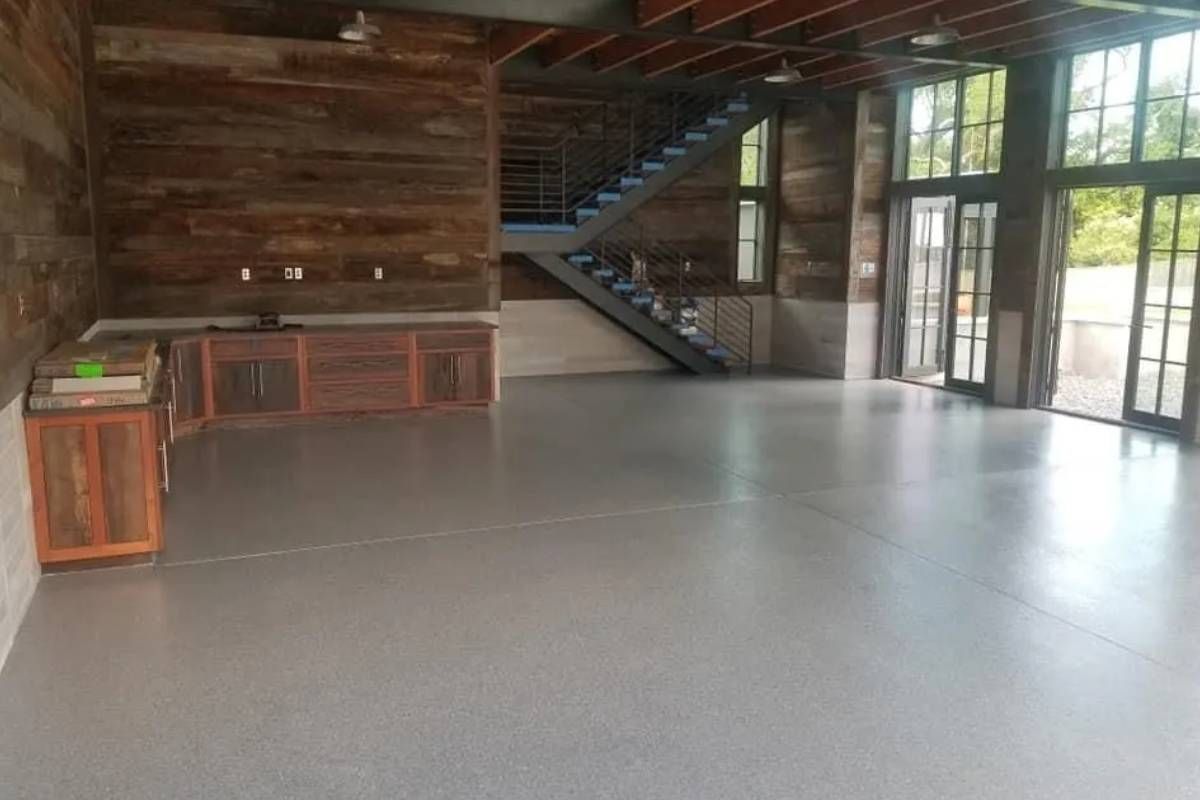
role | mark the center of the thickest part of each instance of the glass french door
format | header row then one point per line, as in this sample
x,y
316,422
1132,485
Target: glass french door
x,y
971,303
927,273
1164,309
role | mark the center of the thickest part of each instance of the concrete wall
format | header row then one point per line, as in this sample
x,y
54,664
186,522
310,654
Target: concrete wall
x,y
19,568
557,337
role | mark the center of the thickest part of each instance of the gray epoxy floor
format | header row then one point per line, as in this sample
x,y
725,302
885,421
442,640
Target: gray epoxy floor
x,y
640,587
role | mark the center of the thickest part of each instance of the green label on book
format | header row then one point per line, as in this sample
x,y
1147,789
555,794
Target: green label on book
x,y
89,369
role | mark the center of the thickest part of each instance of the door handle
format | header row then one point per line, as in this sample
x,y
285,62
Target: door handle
x,y
165,485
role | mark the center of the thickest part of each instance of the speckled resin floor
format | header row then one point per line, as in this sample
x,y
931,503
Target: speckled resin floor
x,y
643,587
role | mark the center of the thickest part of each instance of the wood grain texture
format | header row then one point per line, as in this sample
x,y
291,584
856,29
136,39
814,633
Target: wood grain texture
x,y
47,263
816,167
243,134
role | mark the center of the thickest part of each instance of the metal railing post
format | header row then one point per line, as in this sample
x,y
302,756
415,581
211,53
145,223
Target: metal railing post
x,y
541,186
562,161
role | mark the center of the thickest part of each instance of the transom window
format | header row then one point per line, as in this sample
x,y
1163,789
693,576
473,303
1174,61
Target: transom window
x,y
1139,101
956,127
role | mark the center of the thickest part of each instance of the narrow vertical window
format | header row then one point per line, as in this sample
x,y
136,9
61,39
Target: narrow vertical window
x,y
752,204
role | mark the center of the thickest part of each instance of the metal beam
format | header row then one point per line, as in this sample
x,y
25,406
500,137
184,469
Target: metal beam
x,y
1186,9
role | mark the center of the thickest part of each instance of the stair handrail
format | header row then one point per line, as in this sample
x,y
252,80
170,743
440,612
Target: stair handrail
x,y
715,304
591,154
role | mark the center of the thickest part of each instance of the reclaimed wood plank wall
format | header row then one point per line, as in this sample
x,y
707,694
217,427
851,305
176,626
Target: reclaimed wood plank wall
x,y
816,165
47,265
834,174
242,133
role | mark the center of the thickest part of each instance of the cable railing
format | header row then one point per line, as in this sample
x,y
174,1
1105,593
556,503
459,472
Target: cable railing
x,y
547,182
691,295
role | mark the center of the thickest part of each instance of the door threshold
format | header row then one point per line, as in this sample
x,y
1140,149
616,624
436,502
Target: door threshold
x,y
1119,423
942,386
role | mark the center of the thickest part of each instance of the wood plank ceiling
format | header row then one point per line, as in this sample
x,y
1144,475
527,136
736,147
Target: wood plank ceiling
x,y
836,44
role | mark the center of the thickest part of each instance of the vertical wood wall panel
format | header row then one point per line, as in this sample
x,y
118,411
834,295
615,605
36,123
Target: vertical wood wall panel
x,y
47,265
242,133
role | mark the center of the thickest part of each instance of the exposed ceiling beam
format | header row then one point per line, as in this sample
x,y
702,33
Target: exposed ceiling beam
x,y
565,15
868,11
652,11
1186,9
981,34
785,13
980,31
572,45
507,41
1121,26
732,59
711,13
526,70
677,56
625,51
950,12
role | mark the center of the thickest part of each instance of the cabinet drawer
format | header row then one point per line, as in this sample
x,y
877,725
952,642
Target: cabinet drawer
x,y
358,396
356,344
252,347
357,367
454,341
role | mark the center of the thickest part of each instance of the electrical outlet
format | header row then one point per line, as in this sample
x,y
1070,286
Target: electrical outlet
x,y
868,269
379,273
288,272
245,273
299,273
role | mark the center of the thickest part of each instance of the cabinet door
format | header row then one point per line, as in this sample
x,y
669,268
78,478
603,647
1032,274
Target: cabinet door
x,y
64,475
456,378
127,482
94,486
473,378
278,386
187,373
235,387
437,378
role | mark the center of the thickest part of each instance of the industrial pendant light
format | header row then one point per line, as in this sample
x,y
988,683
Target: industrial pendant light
x,y
786,74
360,30
935,35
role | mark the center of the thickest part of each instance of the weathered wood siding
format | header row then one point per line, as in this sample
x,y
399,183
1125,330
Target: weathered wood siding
x,y
47,269
816,169
241,133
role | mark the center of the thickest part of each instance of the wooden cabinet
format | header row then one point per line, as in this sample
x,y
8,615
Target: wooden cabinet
x,y
95,480
254,376
187,381
451,378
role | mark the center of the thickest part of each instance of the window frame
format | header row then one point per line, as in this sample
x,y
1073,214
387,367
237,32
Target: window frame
x,y
765,196
900,170
1137,163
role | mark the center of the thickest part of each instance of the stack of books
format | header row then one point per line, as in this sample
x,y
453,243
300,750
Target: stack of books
x,y
94,374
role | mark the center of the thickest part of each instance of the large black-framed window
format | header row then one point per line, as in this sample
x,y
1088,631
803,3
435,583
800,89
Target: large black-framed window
x,y
1134,102
955,127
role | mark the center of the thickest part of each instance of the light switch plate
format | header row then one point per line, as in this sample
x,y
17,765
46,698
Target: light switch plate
x,y
245,273
299,273
868,269
288,272
379,273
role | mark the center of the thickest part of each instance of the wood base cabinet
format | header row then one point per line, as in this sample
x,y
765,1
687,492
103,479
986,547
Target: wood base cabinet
x,y
450,378
96,479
